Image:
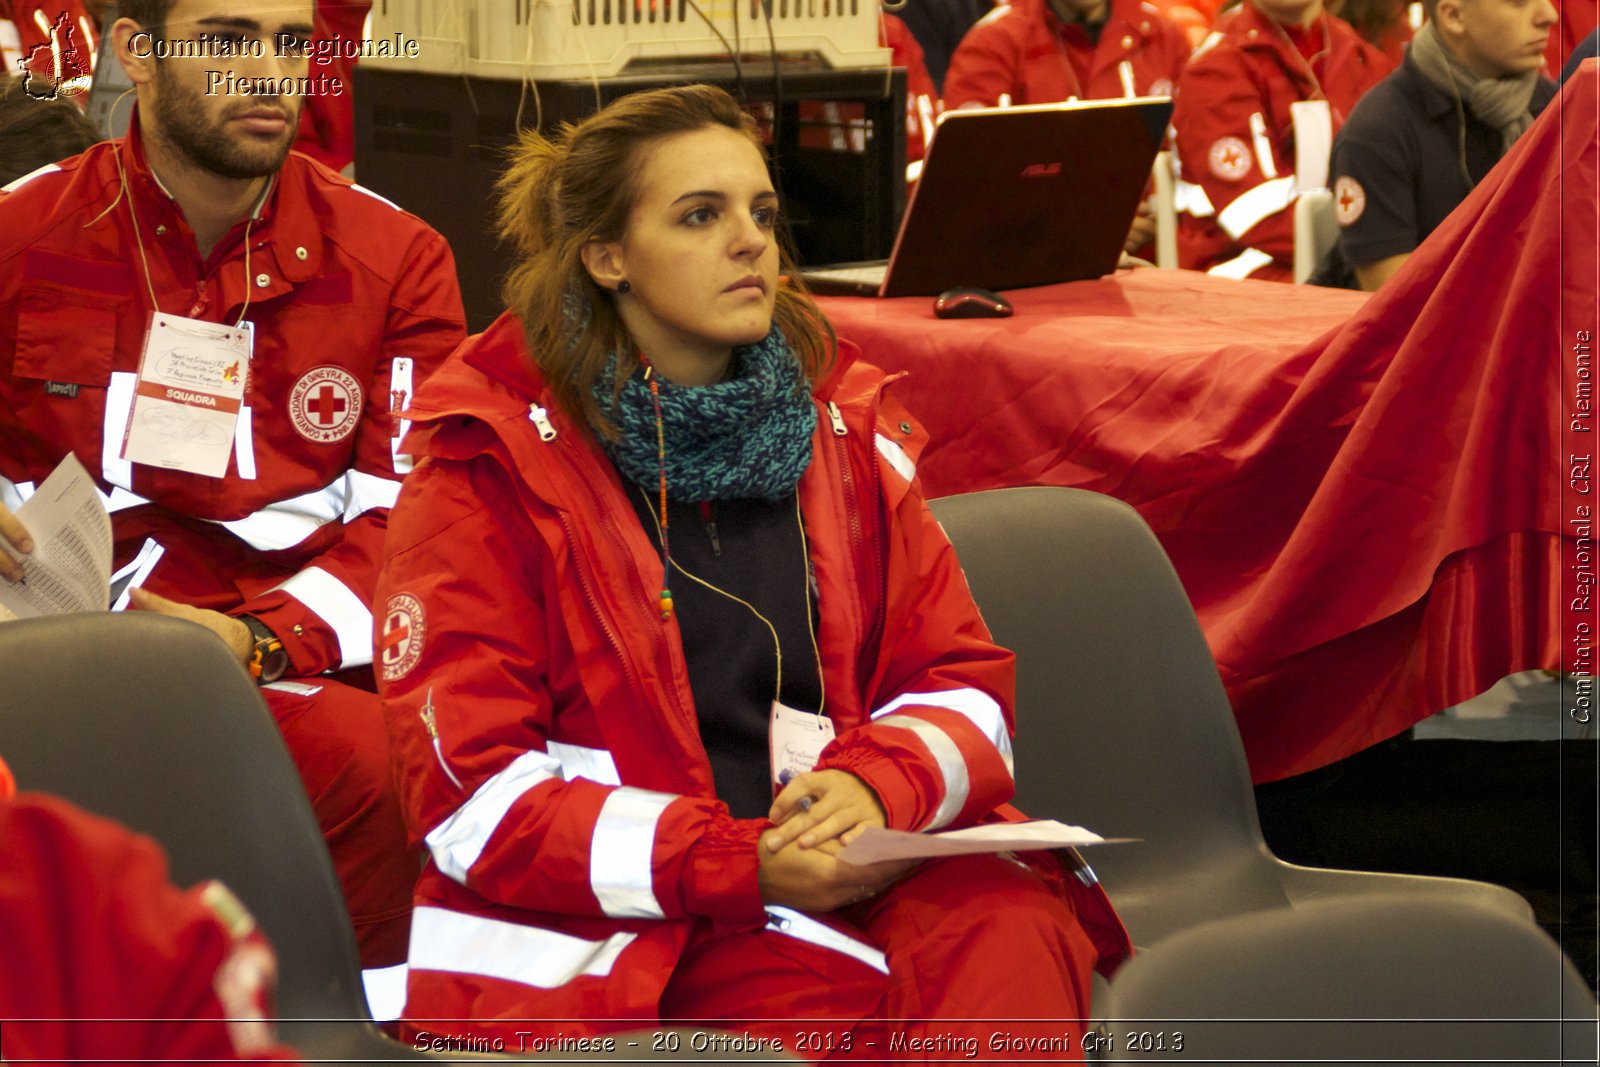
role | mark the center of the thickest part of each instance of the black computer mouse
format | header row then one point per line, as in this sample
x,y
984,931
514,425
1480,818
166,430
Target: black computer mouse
x,y
970,302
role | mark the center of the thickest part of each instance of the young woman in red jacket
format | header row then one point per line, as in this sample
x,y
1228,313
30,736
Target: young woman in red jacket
x,y
668,624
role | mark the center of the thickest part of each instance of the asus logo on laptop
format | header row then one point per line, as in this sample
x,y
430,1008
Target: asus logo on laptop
x,y
1041,170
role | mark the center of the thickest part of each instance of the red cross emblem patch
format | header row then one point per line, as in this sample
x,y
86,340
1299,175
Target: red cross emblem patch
x,y
325,404
403,631
1349,199
1229,159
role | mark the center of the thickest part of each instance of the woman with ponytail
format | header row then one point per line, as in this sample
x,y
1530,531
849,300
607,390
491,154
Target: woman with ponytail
x,y
668,624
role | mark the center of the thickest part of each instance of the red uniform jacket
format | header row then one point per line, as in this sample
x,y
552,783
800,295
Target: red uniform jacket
x,y
1236,142
540,713
328,120
353,301
105,961
1020,50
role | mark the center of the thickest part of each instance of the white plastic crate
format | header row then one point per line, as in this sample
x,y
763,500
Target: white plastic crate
x,y
438,27
550,39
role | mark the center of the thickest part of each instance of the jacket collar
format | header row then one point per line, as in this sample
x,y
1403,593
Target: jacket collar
x,y
281,223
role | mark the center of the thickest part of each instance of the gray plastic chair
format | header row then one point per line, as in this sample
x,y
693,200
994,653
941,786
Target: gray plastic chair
x,y
1379,981
148,720
1122,722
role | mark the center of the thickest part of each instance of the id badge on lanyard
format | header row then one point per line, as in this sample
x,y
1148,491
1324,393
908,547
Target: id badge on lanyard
x,y
188,395
796,740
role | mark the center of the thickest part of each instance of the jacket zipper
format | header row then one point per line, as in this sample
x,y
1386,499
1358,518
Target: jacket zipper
x,y
858,531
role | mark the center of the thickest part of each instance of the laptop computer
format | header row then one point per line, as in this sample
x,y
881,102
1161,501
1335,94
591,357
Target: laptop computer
x,y
1017,196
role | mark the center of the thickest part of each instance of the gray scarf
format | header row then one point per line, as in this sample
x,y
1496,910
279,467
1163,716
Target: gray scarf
x,y
1502,103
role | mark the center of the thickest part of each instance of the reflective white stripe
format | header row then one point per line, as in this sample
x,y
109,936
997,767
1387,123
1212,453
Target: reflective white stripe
x,y
947,756
400,374
1187,196
244,445
528,955
89,42
18,183
13,494
1125,72
119,499
288,522
896,456
375,196
1258,134
119,408
337,605
595,764
386,991
457,842
368,491
1211,41
150,554
1243,265
799,925
1262,202
620,852
976,706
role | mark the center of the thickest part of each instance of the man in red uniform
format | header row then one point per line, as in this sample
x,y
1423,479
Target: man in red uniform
x,y
223,333
1045,51
1255,115
106,961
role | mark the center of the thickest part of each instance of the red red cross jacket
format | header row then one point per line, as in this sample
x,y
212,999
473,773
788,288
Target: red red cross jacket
x,y
107,962
1236,137
353,302
1018,50
542,723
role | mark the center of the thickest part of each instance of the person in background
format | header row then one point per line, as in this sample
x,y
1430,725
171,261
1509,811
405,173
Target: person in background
x,y
1256,112
36,133
106,961
308,308
1387,25
938,26
1423,138
328,120
708,636
1045,51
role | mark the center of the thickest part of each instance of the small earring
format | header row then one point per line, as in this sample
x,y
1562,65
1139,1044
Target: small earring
x,y
624,287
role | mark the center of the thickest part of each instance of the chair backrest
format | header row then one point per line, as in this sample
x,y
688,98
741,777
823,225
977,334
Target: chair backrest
x,y
1436,980
1166,212
1316,231
148,720
1122,722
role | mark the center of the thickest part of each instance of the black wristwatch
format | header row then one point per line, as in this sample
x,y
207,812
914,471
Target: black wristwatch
x,y
269,661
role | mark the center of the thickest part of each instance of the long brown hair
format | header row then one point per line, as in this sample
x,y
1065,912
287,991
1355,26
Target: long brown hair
x,y
561,193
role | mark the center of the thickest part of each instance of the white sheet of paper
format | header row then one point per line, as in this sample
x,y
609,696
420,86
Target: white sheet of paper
x,y
70,566
1313,143
875,846
190,390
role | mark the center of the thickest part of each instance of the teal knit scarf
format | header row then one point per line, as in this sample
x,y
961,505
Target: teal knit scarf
x,y
748,437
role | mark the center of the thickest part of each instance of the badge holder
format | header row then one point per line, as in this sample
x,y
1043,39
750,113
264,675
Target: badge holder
x,y
189,394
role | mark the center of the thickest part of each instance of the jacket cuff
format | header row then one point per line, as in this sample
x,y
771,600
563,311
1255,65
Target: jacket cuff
x,y
890,778
313,649
723,875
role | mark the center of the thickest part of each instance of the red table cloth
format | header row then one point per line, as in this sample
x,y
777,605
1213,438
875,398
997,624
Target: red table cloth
x,y
1372,525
